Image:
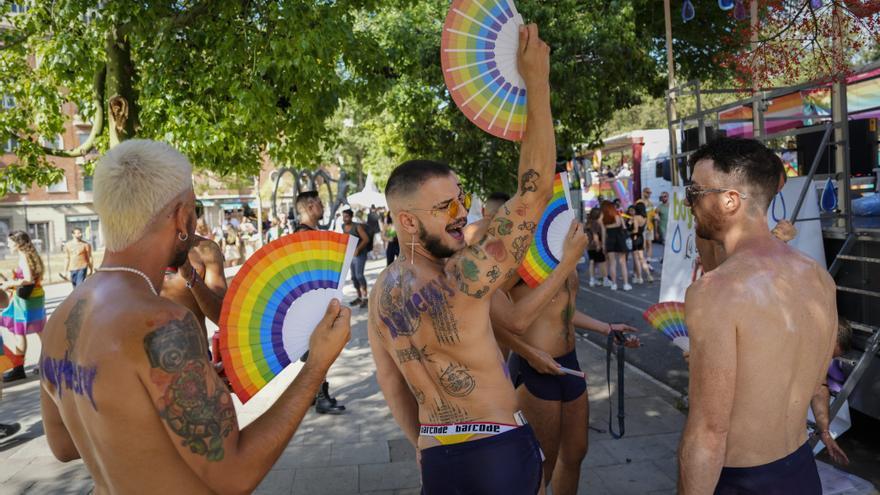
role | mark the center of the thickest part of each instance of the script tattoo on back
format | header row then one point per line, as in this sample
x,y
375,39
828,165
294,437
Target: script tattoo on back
x,y
194,404
457,381
413,353
445,412
401,307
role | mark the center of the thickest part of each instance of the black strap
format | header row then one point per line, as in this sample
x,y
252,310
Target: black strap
x,y
615,338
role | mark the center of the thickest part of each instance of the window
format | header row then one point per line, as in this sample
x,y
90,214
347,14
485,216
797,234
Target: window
x,y
55,144
10,145
8,101
17,8
88,183
58,187
90,226
82,137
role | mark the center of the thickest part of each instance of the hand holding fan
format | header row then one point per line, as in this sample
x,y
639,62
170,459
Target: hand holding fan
x,y
546,249
274,303
478,53
668,317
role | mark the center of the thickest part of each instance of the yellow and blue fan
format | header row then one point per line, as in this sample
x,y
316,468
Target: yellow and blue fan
x,y
274,303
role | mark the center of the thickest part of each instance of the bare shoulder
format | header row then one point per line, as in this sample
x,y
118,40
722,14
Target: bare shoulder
x,y
209,250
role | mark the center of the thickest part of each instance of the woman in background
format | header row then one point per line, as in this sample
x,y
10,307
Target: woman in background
x,y
596,249
639,240
26,312
613,230
231,244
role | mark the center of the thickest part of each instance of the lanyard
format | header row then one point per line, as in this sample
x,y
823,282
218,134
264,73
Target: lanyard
x,y
615,337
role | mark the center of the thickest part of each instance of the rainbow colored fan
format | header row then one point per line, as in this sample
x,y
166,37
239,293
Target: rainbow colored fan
x,y
478,54
668,317
545,252
274,303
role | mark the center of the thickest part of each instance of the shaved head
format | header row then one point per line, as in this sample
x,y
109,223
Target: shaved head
x,y
408,178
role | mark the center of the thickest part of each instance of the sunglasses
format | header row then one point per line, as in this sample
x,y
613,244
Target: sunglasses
x,y
453,208
692,192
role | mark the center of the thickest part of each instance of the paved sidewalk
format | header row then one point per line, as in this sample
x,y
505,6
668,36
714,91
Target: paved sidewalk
x,y
363,451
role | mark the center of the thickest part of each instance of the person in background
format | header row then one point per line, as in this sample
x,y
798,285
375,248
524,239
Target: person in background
x,y
613,231
79,258
596,249
359,262
231,244
392,243
474,231
374,230
310,209
640,240
662,216
26,313
6,429
649,226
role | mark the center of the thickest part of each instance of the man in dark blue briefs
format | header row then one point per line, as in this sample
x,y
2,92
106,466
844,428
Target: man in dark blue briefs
x,y
762,329
437,361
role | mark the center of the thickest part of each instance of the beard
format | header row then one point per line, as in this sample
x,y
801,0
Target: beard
x,y
709,224
434,244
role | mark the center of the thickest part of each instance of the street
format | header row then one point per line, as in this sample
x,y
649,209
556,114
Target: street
x,y
363,450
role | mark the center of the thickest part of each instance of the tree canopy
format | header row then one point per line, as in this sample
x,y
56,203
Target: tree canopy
x,y
309,80
222,81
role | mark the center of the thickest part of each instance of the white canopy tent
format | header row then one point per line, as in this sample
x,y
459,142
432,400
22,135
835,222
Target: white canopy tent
x,y
369,196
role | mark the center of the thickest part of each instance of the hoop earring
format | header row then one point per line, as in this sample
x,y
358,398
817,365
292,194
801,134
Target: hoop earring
x,y
182,237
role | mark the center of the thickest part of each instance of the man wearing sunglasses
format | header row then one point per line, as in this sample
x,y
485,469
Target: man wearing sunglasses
x,y
762,329
437,361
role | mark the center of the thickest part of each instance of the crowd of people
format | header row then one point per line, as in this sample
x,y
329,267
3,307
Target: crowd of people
x,y
479,370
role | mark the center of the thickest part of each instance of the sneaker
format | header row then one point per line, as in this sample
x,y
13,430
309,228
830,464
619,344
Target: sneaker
x,y
355,302
607,282
637,280
650,279
14,374
364,303
627,287
613,286
7,431
592,282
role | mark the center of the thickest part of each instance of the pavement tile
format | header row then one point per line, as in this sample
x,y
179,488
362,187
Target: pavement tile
x,y
598,453
591,484
304,456
636,478
277,482
401,450
641,448
359,453
389,476
334,480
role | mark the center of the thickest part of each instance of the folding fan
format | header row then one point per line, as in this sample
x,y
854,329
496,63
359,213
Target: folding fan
x,y
545,252
274,303
668,317
478,54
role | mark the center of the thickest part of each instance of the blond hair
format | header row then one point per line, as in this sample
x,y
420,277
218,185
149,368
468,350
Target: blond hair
x,y
133,182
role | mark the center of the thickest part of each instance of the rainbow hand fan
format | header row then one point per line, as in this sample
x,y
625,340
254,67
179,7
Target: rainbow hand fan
x,y
478,54
274,303
668,317
545,252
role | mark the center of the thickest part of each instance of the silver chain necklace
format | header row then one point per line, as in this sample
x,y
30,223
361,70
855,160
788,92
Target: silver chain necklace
x,y
130,270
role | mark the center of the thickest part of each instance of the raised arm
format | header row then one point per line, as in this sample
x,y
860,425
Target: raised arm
x,y
197,410
483,267
712,383
208,292
518,317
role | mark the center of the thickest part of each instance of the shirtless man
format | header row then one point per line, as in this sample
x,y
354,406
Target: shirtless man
x,y
475,231
537,324
762,328
200,284
125,383
79,258
437,361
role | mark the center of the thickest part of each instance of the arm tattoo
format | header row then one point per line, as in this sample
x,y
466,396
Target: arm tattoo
x,y
456,381
530,227
520,246
195,405
418,394
528,181
493,274
460,276
504,226
497,250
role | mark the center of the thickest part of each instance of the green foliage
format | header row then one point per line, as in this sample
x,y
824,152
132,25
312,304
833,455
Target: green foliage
x,y
222,81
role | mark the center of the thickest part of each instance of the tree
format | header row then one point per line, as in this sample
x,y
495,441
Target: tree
x,y
225,82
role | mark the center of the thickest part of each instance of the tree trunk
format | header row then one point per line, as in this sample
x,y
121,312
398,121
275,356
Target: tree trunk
x,y
122,104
